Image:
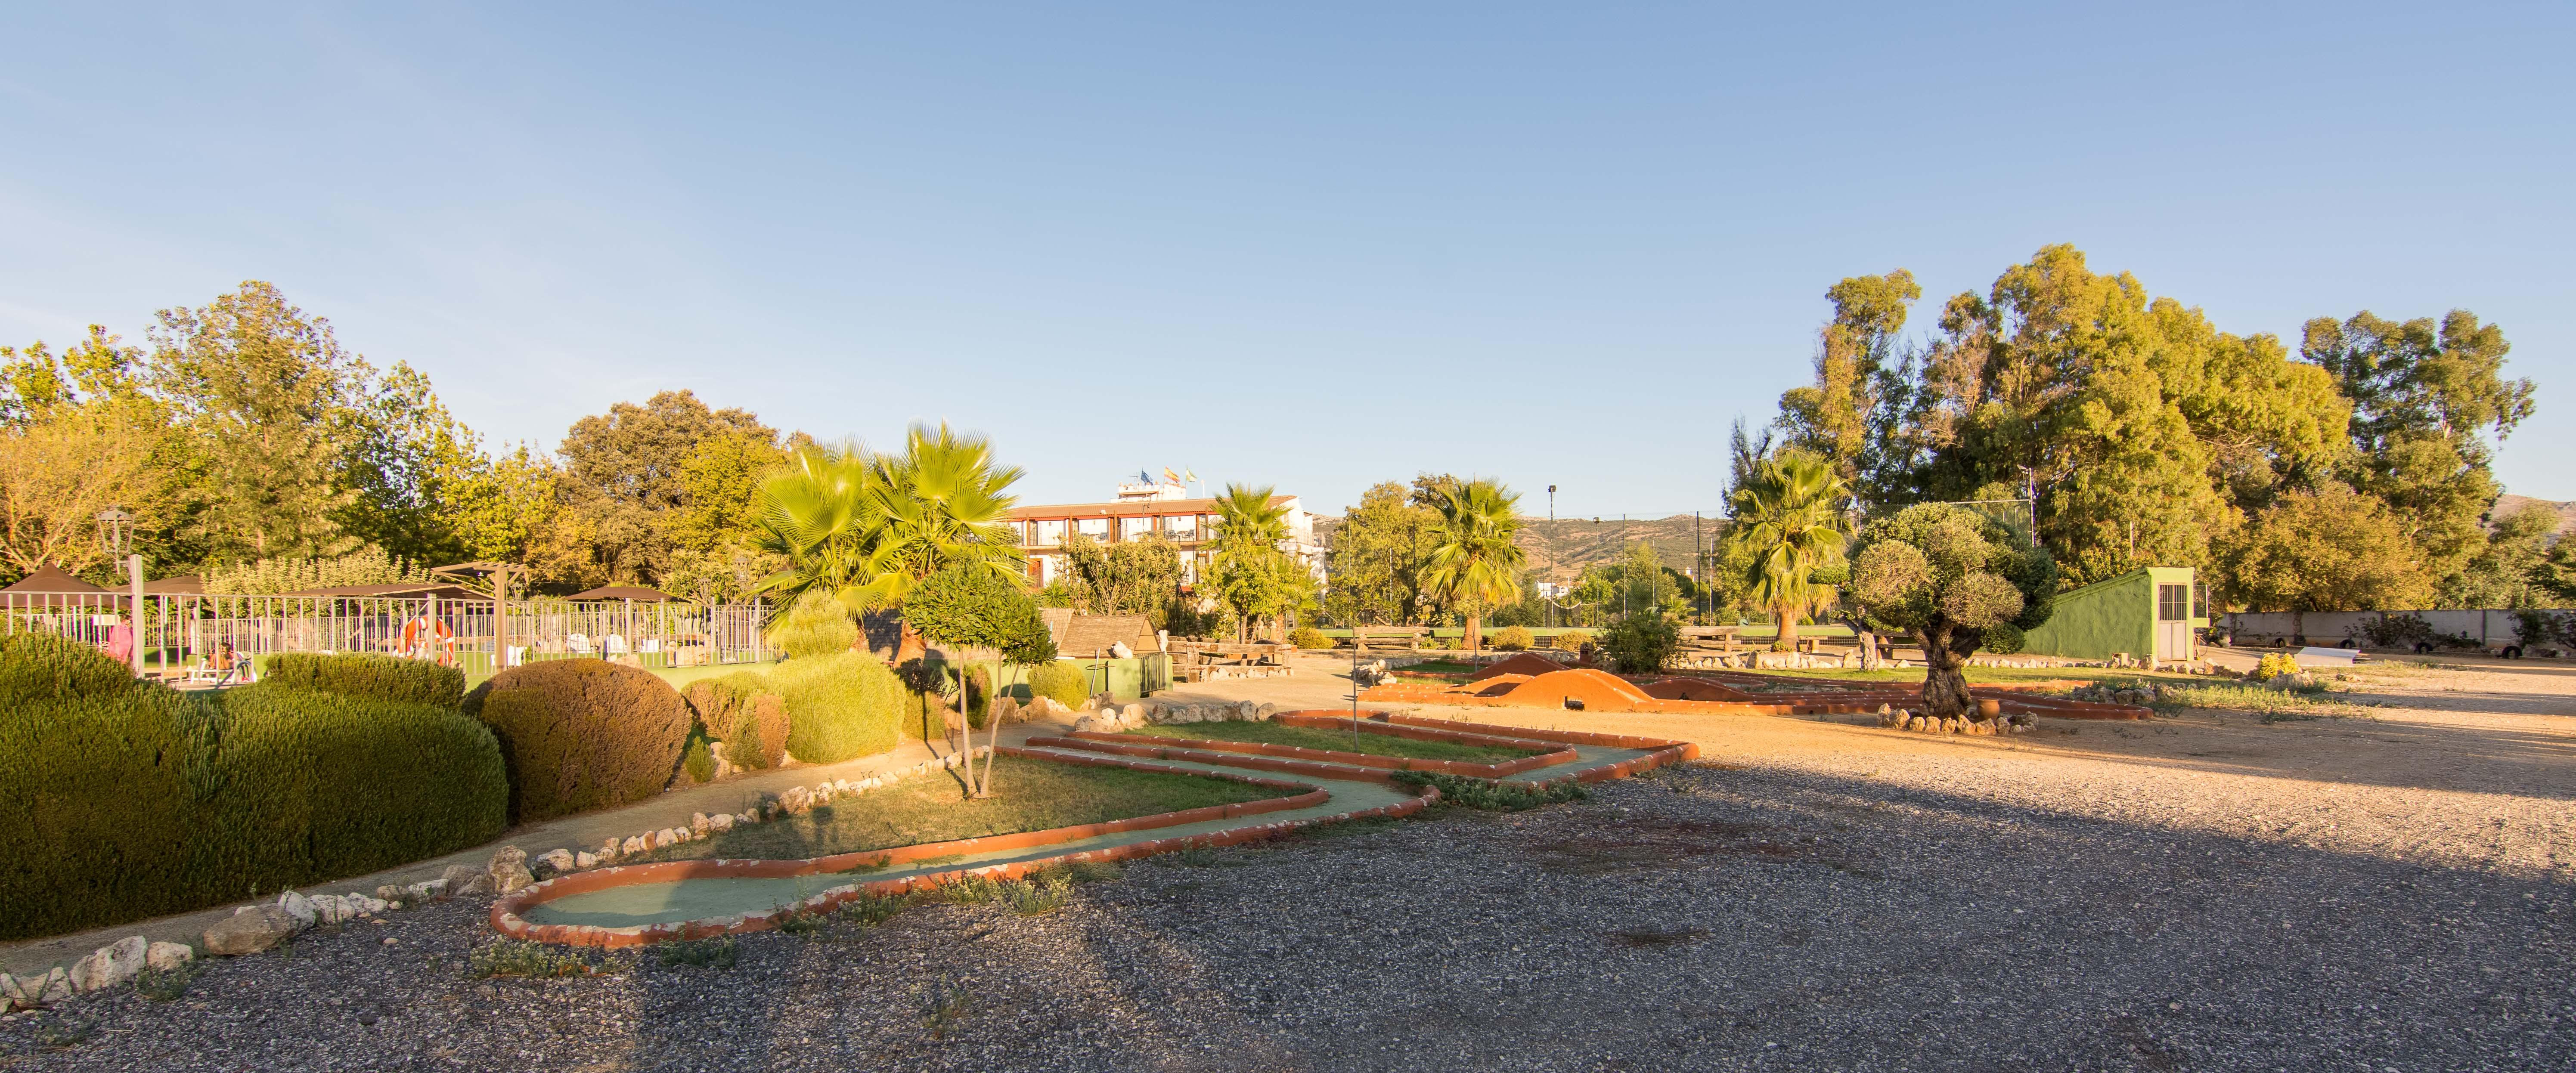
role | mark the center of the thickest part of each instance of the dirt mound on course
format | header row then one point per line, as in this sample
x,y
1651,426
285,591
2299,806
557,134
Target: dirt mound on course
x,y
1524,664
1600,691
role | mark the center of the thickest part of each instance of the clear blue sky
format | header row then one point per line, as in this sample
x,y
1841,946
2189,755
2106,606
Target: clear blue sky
x,y
1316,245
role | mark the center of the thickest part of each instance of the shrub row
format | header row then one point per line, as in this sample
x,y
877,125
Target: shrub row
x,y
375,677
122,800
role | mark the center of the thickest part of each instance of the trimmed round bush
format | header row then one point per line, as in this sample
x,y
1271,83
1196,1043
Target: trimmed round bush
x,y
379,677
838,706
1513,639
582,734
1569,640
1061,682
1309,638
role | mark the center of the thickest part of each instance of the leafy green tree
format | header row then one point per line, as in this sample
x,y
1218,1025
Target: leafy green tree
x,y
2426,397
1376,556
1137,576
1478,561
2328,550
59,469
1256,580
267,396
1958,580
965,607
626,478
720,483
1790,529
1848,414
821,517
2507,570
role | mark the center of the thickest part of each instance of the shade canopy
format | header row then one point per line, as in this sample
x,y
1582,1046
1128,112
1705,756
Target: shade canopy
x,y
637,593
49,578
441,590
182,585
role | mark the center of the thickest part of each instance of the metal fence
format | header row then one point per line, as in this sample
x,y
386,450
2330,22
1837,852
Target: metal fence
x,y
182,632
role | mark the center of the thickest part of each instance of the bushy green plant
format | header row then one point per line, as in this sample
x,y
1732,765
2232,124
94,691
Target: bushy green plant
x,y
1060,681
741,710
1468,791
1512,639
582,734
354,784
699,761
121,800
2274,665
815,625
1309,638
1642,643
1569,640
839,706
379,677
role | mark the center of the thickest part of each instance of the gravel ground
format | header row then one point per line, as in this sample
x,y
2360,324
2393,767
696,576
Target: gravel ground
x,y
2205,893
1707,917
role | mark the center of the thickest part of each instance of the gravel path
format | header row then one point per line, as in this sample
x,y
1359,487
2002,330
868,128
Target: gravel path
x,y
1814,897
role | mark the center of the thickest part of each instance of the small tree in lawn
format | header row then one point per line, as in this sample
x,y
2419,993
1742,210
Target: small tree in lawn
x,y
968,607
1959,581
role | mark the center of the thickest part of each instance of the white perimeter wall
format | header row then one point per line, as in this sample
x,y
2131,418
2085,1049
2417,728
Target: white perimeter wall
x,y
2324,627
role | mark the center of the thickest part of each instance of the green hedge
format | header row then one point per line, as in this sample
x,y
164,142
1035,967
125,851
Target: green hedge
x,y
582,734
1060,680
122,800
377,677
839,706
321,785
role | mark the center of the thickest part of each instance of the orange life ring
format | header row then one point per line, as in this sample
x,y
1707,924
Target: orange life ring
x,y
440,636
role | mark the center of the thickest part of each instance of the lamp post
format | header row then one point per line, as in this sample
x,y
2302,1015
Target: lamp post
x,y
116,537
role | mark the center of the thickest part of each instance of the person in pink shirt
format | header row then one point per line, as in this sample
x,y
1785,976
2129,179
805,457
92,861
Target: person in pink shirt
x,y
120,642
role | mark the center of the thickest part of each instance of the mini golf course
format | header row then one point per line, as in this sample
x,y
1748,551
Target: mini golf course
x,y
635,905
1528,681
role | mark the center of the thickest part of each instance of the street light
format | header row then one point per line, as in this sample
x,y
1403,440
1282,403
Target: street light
x,y
115,531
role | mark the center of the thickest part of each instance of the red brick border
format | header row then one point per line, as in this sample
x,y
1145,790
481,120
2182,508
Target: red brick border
x,y
1182,748
506,912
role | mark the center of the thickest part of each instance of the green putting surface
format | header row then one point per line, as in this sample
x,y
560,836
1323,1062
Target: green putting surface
x,y
643,904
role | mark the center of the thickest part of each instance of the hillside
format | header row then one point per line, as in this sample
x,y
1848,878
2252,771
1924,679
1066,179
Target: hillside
x,y
2510,504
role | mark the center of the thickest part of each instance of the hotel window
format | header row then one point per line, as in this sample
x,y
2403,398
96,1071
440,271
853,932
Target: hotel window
x,y
1049,534
1184,527
1131,528
1095,528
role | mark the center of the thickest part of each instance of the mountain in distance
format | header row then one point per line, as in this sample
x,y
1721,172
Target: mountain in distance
x,y
1559,550
2509,504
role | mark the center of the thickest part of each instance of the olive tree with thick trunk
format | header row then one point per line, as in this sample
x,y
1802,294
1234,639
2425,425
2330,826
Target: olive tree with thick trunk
x,y
1956,579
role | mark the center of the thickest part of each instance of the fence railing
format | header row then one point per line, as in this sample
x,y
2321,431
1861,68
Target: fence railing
x,y
177,632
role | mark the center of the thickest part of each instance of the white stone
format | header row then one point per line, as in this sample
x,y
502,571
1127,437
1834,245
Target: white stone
x,y
722,821
163,957
54,986
558,859
331,909
425,890
636,844
299,907
110,965
664,837
585,860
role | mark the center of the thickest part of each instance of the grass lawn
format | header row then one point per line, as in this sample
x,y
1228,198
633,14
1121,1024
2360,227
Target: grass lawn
x,y
1029,795
1338,740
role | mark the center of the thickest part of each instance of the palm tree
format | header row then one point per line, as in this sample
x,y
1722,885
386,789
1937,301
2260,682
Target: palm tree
x,y
822,516
1477,562
867,527
1789,516
944,504
1249,528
